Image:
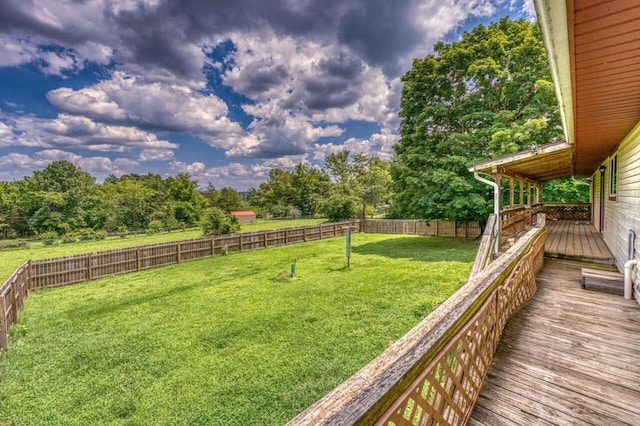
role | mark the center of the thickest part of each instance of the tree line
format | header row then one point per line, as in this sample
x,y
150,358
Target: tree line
x,y
64,199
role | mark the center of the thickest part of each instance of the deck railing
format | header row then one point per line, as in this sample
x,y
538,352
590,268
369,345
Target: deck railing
x,y
433,374
488,245
566,211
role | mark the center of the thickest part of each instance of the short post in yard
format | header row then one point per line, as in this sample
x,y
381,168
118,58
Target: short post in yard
x,y
348,248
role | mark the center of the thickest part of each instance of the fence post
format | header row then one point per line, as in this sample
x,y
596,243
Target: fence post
x,y
266,239
304,234
178,252
212,245
286,237
14,304
4,329
89,262
240,242
29,279
437,228
138,259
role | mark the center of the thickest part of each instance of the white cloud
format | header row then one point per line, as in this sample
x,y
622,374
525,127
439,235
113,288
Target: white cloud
x,y
379,145
157,106
101,166
16,51
75,132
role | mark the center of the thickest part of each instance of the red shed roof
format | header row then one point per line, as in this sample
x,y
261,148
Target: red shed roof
x,y
243,213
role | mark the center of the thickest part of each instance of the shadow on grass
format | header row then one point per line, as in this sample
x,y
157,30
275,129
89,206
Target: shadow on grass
x,y
425,249
129,301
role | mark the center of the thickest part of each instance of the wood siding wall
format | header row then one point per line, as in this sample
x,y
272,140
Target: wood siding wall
x,y
623,213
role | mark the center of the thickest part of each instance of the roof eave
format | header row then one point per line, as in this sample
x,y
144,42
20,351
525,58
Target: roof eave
x,y
552,16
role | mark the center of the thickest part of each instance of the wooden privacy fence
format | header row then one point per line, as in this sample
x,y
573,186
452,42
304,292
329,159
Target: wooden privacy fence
x,y
45,273
438,228
433,374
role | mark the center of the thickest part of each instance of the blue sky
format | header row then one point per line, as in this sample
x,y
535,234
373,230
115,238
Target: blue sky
x,y
223,90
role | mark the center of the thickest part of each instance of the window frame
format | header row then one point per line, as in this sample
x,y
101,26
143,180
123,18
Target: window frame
x,y
613,177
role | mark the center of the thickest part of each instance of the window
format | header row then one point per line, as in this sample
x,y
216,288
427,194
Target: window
x,y
613,176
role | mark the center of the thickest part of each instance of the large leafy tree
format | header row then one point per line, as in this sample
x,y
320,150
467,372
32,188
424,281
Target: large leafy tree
x,y
292,191
486,95
61,197
360,178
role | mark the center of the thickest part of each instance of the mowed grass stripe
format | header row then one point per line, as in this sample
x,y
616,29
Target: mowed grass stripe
x,y
225,340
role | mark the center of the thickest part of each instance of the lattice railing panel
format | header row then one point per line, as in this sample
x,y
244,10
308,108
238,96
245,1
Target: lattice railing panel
x,y
446,391
567,211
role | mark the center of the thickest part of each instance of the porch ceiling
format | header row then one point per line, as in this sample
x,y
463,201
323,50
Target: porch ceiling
x,y
546,162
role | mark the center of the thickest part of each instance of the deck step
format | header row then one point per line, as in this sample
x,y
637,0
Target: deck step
x,y
608,281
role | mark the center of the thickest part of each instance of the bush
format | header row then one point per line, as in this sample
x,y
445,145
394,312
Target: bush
x,y
68,240
216,221
49,238
122,231
85,234
100,235
154,227
340,206
13,244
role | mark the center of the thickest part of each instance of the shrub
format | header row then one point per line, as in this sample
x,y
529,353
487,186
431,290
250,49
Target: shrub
x,y
122,231
100,235
13,244
340,206
68,239
154,227
216,221
49,238
85,234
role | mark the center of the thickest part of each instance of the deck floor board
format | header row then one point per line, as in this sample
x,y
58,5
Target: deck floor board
x,y
570,239
568,357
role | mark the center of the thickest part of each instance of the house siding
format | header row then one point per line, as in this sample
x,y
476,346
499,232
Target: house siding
x,y
623,213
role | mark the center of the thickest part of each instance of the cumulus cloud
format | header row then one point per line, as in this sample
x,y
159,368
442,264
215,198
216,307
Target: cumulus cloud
x,y
100,166
236,175
301,70
158,107
76,132
379,145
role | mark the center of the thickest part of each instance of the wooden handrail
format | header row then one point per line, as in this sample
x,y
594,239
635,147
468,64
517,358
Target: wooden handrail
x,y
435,371
487,247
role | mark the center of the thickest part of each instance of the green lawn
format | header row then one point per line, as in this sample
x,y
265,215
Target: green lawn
x,y
10,259
227,340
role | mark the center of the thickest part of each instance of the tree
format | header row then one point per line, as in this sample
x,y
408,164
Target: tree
x,y
189,203
486,95
229,199
290,193
216,221
566,190
59,198
363,177
341,204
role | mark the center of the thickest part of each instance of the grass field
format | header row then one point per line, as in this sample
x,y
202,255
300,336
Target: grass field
x,y
12,258
227,340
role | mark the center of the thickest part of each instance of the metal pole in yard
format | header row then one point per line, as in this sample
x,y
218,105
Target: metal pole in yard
x,y
348,250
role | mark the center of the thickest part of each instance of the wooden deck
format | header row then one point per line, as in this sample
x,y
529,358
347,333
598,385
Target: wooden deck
x,y
569,357
576,240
